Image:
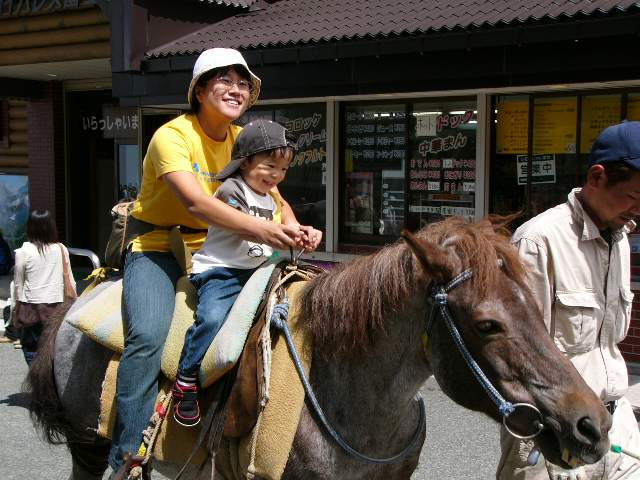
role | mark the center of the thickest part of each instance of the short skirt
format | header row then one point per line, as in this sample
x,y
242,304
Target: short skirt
x,y
29,314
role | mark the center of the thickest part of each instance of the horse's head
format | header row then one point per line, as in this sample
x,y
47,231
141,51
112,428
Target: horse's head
x,y
502,327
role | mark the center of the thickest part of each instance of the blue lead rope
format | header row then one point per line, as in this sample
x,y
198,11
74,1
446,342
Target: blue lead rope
x,y
279,319
440,299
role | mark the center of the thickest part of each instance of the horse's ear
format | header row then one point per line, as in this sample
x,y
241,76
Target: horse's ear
x,y
435,261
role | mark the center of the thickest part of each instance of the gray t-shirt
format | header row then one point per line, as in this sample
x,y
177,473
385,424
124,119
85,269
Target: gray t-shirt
x,y
224,248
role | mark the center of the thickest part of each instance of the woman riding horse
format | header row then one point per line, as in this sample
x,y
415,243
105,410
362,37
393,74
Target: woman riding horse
x,y
177,187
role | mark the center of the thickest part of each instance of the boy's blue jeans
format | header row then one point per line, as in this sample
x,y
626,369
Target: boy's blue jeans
x,y
217,289
149,299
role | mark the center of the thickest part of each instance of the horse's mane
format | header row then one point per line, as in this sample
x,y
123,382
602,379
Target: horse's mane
x,y
346,306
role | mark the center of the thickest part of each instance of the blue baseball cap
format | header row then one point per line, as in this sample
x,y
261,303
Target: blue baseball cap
x,y
619,142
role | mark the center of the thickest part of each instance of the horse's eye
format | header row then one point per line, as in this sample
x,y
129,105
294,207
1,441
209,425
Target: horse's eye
x,y
488,327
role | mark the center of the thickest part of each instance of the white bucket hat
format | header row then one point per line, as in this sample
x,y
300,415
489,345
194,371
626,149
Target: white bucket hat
x,y
217,58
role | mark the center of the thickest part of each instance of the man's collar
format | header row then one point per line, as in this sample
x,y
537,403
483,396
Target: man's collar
x,y
589,228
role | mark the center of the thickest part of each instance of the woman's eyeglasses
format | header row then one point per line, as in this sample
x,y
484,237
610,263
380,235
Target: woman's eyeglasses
x,y
227,83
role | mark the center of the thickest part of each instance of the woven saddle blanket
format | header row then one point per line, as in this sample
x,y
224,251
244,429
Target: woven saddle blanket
x,y
98,314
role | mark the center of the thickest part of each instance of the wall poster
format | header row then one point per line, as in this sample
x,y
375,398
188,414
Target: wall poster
x,y
512,127
14,208
598,113
633,106
554,125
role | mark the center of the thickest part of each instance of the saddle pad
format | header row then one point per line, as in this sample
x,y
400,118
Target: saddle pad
x,y
174,442
275,432
227,346
279,423
99,315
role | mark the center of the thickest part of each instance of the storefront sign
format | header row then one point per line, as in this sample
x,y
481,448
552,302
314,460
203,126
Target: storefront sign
x,y
512,127
115,122
543,169
598,112
312,138
15,8
554,125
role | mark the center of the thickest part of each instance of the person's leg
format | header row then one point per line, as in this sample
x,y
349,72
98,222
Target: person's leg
x,y
29,337
149,299
218,289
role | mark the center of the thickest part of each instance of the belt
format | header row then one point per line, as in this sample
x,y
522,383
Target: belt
x,y
183,229
611,406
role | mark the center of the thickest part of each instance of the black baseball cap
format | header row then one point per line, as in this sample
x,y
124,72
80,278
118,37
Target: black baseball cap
x,y
256,137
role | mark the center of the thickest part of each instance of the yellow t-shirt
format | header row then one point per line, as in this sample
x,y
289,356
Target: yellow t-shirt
x,y
178,145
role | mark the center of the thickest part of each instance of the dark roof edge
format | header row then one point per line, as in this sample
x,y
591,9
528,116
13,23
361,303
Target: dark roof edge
x,y
576,29
560,21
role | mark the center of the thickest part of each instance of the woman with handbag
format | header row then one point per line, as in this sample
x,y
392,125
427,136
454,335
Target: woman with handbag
x,y
42,280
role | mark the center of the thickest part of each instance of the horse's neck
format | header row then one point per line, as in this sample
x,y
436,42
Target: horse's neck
x,y
376,387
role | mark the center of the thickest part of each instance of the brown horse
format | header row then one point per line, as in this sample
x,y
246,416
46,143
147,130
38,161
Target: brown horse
x,y
367,319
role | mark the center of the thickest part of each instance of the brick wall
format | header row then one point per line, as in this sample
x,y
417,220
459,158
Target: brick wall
x,y
45,119
631,346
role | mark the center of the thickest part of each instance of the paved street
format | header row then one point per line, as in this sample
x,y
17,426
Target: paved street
x,y
460,444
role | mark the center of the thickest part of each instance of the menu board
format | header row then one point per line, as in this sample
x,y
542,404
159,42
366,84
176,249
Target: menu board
x,y
442,167
633,107
512,127
375,139
554,125
444,157
598,112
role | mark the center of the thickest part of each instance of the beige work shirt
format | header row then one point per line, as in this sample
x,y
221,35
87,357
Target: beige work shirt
x,y
583,290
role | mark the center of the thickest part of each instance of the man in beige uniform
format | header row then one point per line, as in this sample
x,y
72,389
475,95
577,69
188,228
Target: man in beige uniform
x,y
577,255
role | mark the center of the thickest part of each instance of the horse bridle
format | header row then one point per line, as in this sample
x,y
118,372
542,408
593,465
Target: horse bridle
x,y
440,303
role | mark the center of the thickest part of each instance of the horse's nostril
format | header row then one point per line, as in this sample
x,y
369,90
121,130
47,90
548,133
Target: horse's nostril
x,y
588,429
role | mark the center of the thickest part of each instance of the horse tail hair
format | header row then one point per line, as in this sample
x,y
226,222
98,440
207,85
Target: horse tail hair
x,y
45,407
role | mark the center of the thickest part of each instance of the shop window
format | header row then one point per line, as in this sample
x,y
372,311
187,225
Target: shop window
x,y
405,165
374,139
552,135
128,171
442,165
304,187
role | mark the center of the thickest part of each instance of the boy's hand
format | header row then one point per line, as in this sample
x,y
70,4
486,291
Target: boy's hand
x,y
310,238
276,235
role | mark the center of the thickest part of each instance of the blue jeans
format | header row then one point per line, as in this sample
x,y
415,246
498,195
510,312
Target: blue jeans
x,y
149,298
217,289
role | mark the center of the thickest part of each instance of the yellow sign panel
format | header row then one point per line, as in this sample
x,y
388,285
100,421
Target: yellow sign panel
x,y
512,127
554,125
598,112
633,107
